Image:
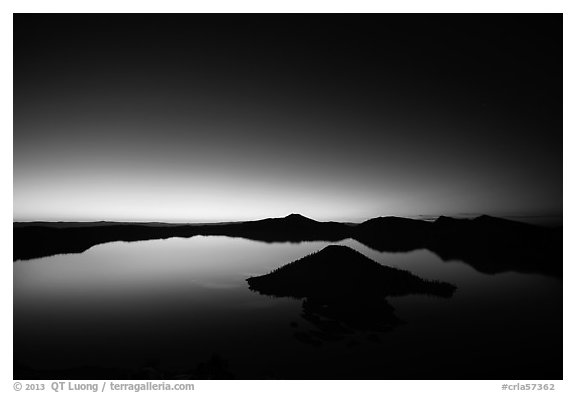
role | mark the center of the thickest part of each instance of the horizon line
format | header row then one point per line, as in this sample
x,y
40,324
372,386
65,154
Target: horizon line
x,y
424,217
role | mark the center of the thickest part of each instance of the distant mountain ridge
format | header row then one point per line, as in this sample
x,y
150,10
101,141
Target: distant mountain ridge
x,y
489,244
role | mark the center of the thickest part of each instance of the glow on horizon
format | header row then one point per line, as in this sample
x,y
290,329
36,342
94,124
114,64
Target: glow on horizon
x,y
86,204
119,189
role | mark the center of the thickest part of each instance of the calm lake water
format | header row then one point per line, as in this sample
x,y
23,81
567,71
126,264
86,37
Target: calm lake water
x,y
175,304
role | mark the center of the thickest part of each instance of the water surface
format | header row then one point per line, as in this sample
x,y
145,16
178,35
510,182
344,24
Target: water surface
x,y
173,305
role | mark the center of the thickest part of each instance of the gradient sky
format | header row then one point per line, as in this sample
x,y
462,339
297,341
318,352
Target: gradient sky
x,y
233,117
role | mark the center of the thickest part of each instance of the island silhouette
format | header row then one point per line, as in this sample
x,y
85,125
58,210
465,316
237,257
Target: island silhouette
x,y
344,291
488,244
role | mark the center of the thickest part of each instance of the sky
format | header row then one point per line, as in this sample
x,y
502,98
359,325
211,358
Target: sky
x,y
199,117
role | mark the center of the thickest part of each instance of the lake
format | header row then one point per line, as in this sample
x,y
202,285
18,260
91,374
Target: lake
x,y
181,308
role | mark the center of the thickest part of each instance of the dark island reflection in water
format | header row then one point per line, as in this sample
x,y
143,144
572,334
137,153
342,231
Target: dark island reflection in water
x,y
181,308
